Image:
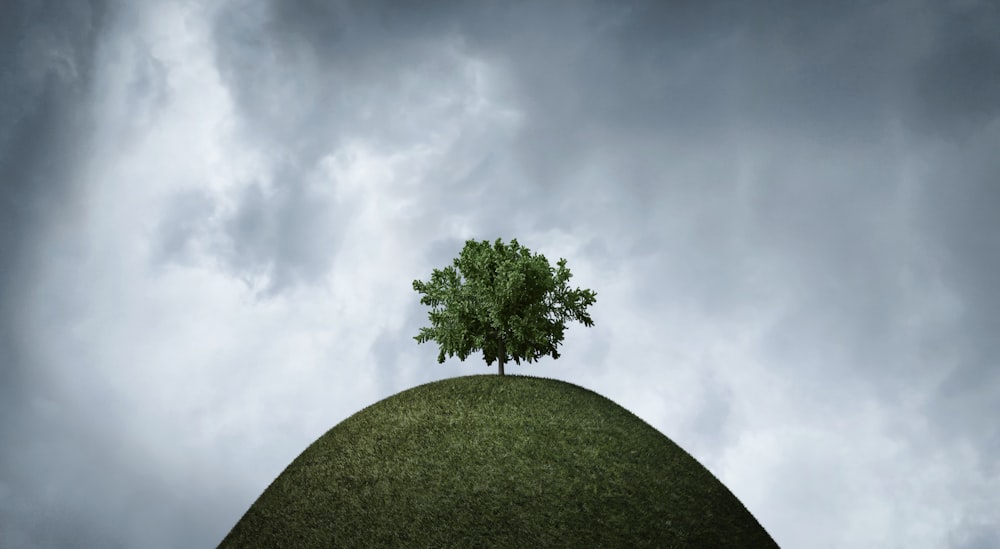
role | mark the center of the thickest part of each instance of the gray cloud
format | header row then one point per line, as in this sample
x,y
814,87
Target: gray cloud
x,y
286,236
211,217
967,244
46,61
957,81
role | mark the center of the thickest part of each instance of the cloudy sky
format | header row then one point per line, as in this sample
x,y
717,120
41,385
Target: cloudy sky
x,y
211,214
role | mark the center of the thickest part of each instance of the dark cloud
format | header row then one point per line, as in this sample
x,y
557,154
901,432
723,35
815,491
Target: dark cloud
x,y
961,210
285,235
46,60
818,178
976,537
678,75
956,80
46,65
331,69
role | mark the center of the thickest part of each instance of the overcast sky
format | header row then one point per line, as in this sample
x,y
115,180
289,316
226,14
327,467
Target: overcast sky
x,y
211,215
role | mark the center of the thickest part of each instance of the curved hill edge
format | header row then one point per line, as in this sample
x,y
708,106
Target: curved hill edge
x,y
491,460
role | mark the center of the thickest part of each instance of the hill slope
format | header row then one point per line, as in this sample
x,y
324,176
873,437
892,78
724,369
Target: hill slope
x,y
491,461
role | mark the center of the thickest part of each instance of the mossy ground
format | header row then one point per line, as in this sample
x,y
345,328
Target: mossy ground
x,y
491,461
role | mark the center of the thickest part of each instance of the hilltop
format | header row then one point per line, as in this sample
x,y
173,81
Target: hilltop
x,y
491,461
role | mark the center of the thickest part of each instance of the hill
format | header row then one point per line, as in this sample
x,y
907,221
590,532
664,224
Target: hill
x,y
491,461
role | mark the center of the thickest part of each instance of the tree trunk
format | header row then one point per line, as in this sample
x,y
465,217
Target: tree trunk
x,y
502,353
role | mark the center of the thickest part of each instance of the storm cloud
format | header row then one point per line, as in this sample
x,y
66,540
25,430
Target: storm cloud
x,y
211,214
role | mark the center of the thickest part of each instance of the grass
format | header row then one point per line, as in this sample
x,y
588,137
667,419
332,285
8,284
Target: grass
x,y
491,461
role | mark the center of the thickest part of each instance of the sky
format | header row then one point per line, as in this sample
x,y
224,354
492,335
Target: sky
x,y
212,213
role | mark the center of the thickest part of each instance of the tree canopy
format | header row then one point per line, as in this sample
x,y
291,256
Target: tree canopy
x,y
502,300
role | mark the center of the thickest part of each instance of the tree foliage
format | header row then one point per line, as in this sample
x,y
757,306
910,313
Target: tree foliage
x,y
502,300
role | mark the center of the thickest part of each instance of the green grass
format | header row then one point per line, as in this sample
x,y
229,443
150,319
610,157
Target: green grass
x,y
491,461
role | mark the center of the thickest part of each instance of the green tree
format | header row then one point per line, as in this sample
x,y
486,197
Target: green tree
x,y
503,301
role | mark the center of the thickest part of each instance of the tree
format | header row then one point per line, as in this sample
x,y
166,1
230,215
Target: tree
x,y
503,301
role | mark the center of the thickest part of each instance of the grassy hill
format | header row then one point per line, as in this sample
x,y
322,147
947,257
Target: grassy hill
x,y
491,461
